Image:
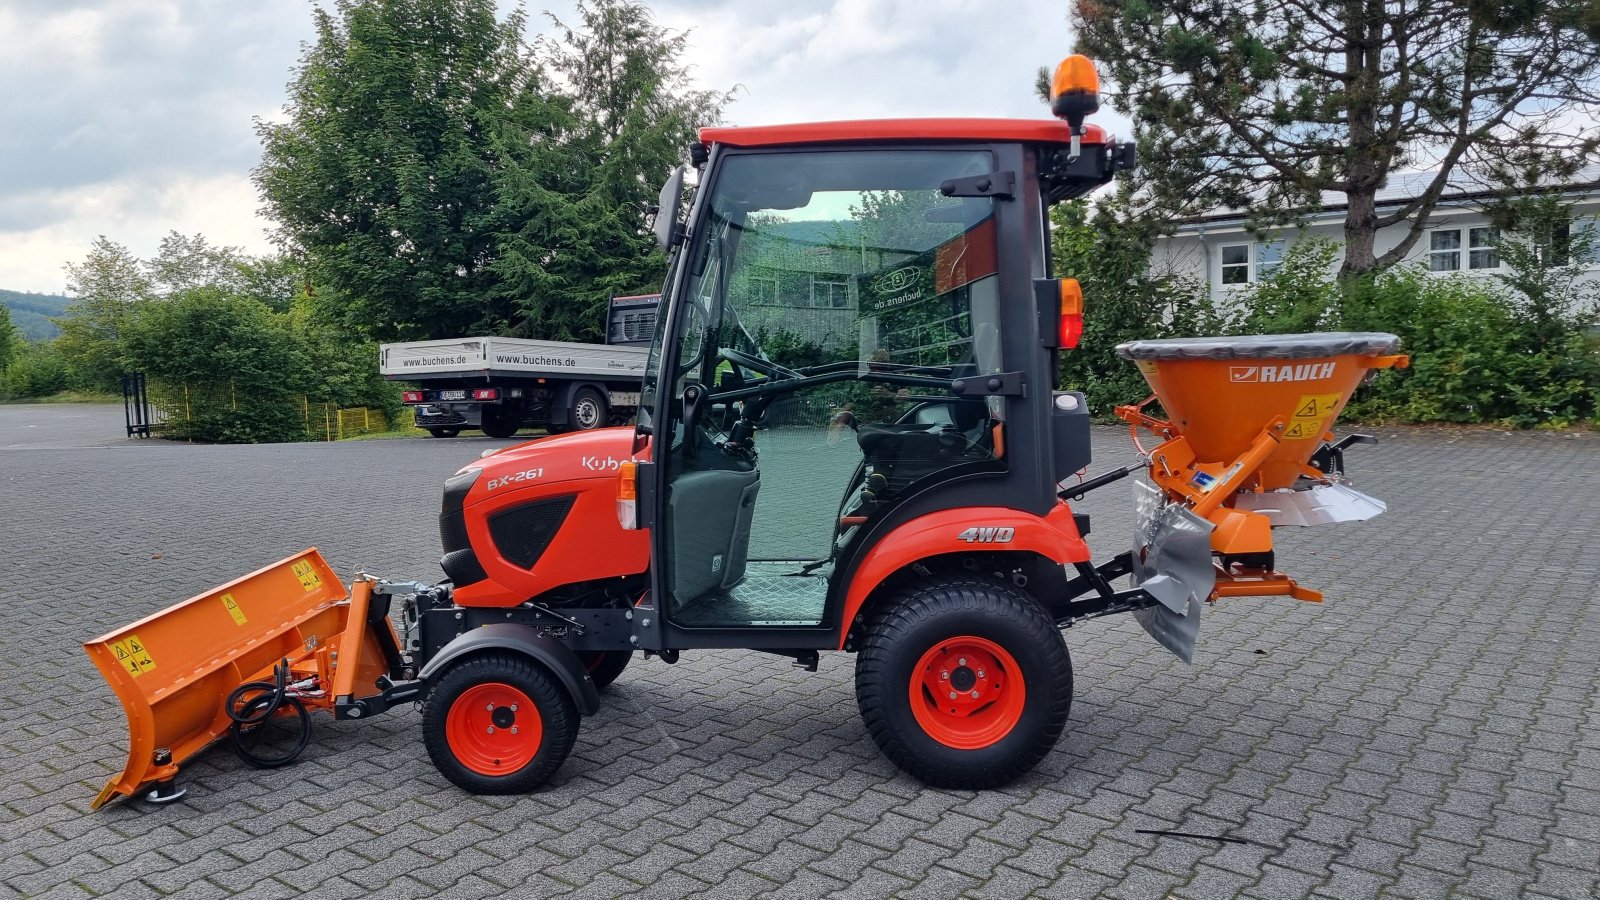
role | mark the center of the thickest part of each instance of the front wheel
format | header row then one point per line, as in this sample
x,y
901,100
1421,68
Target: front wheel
x,y
964,684
498,724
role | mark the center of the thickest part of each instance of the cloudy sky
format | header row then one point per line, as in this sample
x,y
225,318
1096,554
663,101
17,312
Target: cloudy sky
x,y
132,118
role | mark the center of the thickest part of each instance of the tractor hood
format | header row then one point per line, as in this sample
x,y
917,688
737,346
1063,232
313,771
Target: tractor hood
x,y
563,457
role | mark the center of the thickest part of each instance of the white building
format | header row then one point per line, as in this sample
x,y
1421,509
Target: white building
x,y
1218,250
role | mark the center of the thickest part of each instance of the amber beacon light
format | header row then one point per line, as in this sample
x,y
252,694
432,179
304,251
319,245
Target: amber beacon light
x,y
1075,94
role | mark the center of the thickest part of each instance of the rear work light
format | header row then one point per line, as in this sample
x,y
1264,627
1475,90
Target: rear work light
x,y
486,394
1071,327
411,397
628,495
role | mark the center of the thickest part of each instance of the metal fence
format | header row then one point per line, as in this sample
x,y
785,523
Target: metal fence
x,y
155,407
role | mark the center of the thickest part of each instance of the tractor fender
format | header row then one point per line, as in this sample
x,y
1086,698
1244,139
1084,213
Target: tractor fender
x,y
954,531
548,652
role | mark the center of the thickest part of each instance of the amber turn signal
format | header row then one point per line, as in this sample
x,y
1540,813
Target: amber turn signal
x,y
1071,313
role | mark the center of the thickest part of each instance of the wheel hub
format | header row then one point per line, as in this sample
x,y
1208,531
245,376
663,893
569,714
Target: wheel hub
x,y
494,728
967,692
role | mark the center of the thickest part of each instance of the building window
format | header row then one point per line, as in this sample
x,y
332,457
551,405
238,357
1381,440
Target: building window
x,y
1558,250
1576,242
1482,253
763,289
1445,249
1586,236
1269,259
1235,263
1248,263
829,294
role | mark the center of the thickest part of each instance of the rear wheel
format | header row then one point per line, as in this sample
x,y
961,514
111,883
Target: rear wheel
x,y
444,432
605,665
588,410
498,724
964,684
499,422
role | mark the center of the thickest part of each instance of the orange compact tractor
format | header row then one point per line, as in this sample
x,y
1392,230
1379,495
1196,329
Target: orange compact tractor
x,y
849,439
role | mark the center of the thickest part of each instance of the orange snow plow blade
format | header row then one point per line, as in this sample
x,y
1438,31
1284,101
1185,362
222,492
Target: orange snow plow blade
x,y
174,670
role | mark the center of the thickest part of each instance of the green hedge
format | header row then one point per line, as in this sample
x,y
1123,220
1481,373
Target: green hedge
x,y
1519,349
230,369
37,371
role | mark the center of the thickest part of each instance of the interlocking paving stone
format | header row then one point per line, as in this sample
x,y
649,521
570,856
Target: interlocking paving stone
x,y
1432,729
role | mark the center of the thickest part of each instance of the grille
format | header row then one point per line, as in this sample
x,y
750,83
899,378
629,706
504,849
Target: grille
x,y
522,533
459,562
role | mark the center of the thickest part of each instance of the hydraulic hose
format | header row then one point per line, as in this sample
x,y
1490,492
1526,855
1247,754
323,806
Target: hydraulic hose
x,y
251,715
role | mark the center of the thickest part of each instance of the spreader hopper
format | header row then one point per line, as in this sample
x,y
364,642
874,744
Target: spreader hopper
x,y
1248,439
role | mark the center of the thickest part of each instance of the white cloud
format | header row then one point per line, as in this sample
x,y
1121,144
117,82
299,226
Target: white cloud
x,y
133,118
135,213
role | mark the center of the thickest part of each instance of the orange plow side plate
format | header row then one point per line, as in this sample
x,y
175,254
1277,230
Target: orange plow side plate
x,y
173,671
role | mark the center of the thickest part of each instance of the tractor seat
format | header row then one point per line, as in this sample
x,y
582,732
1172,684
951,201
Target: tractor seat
x,y
909,440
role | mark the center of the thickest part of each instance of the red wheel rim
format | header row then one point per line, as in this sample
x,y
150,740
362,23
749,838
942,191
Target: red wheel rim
x,y
967,692
494,728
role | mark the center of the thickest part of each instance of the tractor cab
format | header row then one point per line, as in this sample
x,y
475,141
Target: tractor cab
x,y
859,330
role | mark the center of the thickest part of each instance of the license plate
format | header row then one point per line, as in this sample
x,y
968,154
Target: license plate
x,y
452,395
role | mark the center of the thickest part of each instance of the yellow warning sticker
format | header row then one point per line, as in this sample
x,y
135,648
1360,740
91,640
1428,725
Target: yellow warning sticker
x,y
1316,406
233,609
307,573
125,656
1302,429
133,655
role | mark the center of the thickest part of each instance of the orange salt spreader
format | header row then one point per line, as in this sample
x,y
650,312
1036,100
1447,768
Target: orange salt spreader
x,y
1248,447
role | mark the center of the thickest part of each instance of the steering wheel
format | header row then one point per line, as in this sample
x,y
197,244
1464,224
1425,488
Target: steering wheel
x,y
757,364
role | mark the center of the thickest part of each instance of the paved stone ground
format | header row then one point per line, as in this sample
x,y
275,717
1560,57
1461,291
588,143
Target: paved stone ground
x,y
1433,729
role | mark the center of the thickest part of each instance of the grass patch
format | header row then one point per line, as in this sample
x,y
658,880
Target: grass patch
x,y
404,432
68,397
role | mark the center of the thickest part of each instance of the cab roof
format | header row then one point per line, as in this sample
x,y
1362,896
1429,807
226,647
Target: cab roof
x,y
1033,131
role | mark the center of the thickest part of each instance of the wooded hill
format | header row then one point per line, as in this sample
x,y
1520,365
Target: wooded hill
x,y
31,313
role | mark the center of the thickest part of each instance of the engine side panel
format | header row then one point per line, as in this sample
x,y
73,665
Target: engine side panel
x,y
538,516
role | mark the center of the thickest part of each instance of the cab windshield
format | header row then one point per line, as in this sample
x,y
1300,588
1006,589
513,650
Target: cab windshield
x,y
822,258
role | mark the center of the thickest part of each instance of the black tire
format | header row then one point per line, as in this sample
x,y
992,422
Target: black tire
x,y
443,432
588,411
605,665
450,713
932,617
496,422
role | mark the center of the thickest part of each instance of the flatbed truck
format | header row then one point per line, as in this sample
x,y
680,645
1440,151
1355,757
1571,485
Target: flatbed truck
x,y
499,385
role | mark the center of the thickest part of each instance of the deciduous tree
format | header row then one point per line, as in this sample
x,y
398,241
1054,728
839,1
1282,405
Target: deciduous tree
x,y
105,288
383,173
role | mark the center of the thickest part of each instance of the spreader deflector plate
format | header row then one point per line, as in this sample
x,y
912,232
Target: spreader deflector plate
x,y
1172,562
